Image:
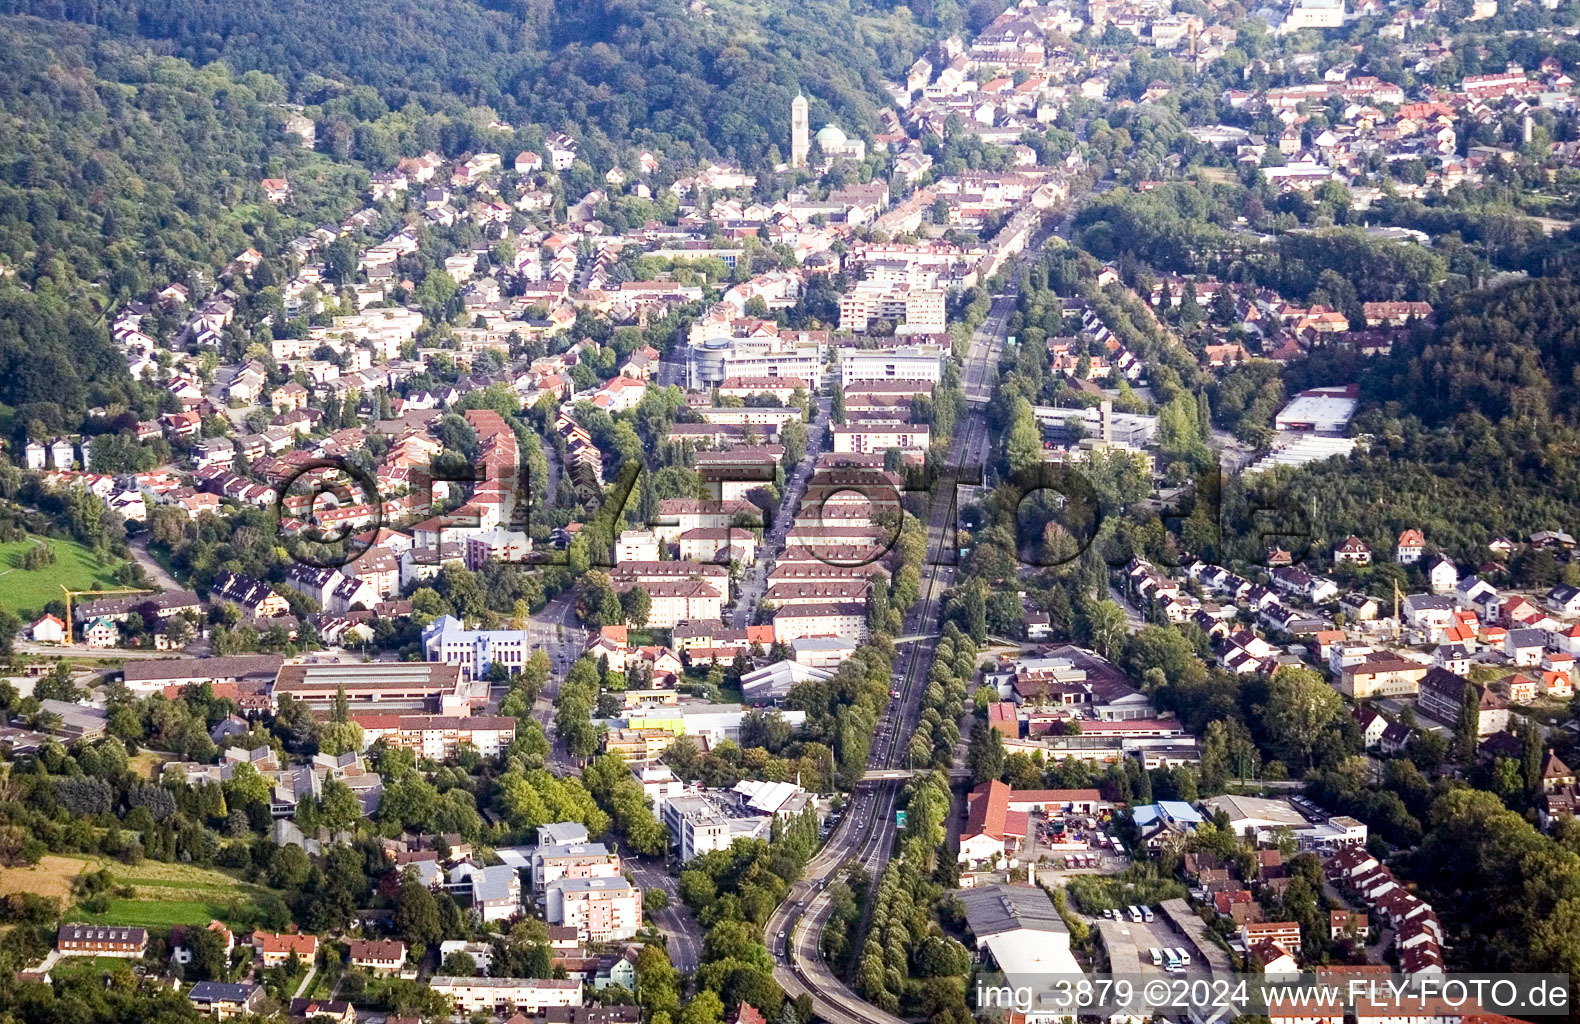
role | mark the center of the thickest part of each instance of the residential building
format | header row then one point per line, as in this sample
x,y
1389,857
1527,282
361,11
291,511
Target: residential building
x,y
439,737
1353,551
1442,697
274,949
224,999
803,620
638,745
1381,674
583,860
101,940
600,909
382,956
1411,546
507,995
921,362
496,893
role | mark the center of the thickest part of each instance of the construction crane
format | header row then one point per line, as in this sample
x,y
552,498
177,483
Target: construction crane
x,y
93,593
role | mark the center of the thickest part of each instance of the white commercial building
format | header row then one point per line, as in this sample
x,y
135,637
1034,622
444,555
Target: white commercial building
x,y
903,362
1320,410
448,641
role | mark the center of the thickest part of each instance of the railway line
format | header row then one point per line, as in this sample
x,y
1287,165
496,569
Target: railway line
x,y
866,834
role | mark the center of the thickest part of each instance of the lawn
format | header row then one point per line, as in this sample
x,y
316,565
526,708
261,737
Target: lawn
x,y
161,913
26,592
147,764
170,894
89,966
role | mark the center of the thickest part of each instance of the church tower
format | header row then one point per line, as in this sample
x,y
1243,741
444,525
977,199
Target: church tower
x,y
799,143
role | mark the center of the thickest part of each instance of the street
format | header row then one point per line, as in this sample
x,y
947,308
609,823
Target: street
x,y
750,589
676,921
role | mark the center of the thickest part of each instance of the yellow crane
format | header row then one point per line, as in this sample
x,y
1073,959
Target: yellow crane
x,y
93,593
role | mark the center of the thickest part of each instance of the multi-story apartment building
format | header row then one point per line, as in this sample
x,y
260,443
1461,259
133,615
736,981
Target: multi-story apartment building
x,y
503,996
803,620
1381,675
101,940
600,909
638,745
440,737
558,861
913,308
880,436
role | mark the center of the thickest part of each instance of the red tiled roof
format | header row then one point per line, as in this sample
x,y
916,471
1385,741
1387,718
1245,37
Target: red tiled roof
x,y
989,807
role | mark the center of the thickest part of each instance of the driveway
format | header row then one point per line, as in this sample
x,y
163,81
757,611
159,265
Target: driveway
x,y
155,571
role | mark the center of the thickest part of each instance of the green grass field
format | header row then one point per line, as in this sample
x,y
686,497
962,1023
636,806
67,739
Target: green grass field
x,y
25,593
89,966
158,913
171,894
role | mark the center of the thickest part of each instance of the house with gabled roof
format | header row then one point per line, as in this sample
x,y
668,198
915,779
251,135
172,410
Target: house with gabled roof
x,y
1411,546
1352,551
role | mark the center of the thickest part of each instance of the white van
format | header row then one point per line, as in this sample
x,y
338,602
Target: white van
x,y
1157,957
1146,914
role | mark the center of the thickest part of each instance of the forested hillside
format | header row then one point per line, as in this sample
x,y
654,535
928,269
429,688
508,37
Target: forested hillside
x,y
1471,432
691,79
1506,352
120,172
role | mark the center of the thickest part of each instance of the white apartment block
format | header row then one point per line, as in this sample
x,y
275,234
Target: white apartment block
x,y
750,415
679,601
881,436
559,861
600,909
677,516
506,995
636,546
718,545
439,737
903,362
804,620
914,309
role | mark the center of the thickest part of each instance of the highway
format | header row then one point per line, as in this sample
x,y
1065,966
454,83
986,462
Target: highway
x,y
866,834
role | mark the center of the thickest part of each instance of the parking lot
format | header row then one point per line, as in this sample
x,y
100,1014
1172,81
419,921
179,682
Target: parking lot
x,y
1130,944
